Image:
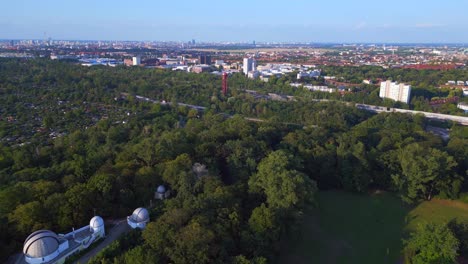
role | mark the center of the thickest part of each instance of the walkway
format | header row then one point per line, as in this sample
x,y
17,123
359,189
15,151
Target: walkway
x,y
112,234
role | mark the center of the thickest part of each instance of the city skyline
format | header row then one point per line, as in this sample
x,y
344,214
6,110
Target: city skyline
x,y
361,21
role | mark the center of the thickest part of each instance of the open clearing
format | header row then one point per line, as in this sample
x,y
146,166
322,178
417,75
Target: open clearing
x,y
353,228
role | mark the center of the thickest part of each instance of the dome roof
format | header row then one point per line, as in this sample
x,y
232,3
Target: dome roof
x,y
40,244
140,215
161,189
96,222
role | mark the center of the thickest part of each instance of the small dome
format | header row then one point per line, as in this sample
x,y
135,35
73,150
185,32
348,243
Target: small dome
x,y
41,244
161,189
96,222
140,215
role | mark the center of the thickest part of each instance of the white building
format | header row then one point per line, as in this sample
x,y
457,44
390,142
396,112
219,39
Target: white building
x,y
247,65
315,88
139,218
136,60
309,74
253,74
465,92
45,246
254,65
398,92
161,193
463,106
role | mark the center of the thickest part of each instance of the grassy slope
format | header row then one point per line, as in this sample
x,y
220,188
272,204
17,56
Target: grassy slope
x,y
351,228
437,211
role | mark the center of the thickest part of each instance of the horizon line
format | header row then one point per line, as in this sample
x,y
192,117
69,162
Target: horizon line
x,y
247,42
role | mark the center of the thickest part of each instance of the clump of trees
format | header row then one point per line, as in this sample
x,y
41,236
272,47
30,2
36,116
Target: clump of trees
x,y
237,186
437,242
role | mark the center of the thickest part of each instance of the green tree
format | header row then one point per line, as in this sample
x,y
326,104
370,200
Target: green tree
x,y
283,186
426,172
460,231
431,244
27,217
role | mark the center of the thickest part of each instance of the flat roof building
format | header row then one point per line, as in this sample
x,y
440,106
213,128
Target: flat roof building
x,y
136,60
247,65
395,91
204,59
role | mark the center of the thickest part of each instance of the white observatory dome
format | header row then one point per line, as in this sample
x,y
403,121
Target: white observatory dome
x,y
96,223
140,215
41,244
161,189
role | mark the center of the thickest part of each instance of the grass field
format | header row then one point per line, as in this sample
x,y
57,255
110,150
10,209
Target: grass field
x,y
352,228
437,211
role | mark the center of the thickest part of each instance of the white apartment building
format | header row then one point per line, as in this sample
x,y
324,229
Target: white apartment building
x,y
249,64
136,60
395,91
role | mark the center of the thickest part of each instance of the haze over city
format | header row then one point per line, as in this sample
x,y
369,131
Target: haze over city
x,y
243,132
368,21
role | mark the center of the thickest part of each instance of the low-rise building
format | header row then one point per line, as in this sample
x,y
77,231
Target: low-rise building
x,y
308,74
201,68
139,218
45,246
463,106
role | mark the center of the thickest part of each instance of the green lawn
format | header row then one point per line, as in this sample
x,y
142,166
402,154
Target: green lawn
x,y
437,211
352,228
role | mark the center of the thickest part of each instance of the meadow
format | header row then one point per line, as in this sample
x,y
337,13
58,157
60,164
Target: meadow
x,y
362,228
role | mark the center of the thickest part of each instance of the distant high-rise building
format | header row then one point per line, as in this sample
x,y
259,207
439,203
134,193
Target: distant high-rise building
x,y
398,92
204,59
193,41
253,42
254,65
136,60
247,65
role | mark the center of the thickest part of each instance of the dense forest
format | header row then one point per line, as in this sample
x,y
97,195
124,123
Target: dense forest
x,y
71,144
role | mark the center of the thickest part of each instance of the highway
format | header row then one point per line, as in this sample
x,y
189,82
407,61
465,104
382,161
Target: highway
x,y
463,120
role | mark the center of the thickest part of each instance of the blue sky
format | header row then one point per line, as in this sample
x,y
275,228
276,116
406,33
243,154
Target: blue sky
x,y
238,20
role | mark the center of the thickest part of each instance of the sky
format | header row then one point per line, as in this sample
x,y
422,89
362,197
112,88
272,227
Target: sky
x,y
363,21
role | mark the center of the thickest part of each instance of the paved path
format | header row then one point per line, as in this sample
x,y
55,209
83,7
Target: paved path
x,y
111,235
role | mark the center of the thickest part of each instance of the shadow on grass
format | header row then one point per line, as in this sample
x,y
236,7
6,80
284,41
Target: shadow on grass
x,y
349,228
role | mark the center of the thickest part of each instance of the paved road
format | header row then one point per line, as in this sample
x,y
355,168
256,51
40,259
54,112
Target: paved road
x,y
111,235
378,109
373,108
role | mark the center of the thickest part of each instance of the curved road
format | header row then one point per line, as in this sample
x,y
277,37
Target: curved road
x,y
463,120
111,235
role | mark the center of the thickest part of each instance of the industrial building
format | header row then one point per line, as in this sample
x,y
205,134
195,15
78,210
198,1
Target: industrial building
x,y
395,91
45,246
